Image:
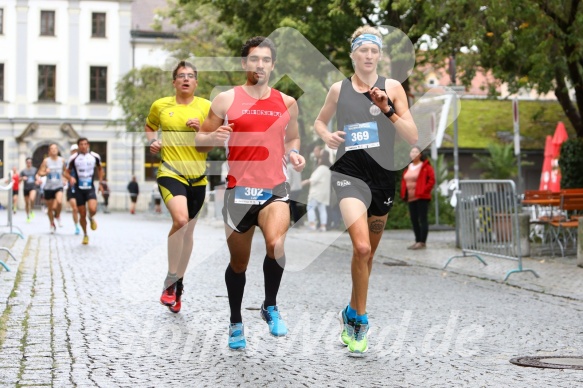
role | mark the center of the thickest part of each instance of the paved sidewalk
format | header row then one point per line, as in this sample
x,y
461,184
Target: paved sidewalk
x,y
89,316
558,276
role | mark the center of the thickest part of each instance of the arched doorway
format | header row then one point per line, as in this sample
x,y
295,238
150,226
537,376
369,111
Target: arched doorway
x,y
39,155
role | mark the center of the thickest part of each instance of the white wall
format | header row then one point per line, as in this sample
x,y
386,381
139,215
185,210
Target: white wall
x,y
8,51
54,50
150,53
73,51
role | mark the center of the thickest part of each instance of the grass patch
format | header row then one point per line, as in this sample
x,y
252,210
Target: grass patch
x,y
16,282
3,321
480,121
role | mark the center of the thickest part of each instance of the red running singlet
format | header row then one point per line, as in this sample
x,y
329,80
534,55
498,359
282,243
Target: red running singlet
x,y
256,147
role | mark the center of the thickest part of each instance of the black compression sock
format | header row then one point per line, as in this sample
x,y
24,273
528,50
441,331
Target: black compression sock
x,y
235,288
272,274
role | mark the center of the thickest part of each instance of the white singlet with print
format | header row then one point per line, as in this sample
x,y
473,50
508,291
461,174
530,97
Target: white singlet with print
x,y
83,166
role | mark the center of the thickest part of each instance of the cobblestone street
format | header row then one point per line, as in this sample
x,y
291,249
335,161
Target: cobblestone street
x,y
89,316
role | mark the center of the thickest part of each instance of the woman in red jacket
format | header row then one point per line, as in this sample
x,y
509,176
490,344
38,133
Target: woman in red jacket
x,y
416,185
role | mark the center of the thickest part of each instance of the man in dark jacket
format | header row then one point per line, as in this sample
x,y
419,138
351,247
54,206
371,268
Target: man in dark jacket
x,y
134,191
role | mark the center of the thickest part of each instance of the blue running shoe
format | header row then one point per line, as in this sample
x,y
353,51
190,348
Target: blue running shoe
x,y
273,318
77,230
237,336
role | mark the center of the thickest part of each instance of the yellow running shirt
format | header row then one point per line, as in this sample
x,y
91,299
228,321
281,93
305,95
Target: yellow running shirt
x,y
178,150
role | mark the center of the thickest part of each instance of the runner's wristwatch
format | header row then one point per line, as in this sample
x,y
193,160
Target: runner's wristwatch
x,y
390,112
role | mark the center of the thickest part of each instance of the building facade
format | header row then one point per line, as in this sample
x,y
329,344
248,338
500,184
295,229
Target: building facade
x,y
60,62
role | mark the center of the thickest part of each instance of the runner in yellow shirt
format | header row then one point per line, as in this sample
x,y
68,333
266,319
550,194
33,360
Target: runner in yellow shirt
x,y
181,175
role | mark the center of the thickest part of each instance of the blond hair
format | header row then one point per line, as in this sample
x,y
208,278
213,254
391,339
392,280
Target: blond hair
x,y
365,30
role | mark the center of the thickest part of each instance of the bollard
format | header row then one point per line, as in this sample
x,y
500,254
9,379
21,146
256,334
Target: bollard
x,y
524,226
580,243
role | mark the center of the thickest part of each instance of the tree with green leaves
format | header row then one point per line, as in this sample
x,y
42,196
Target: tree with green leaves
x,y
207,31
201,35
532,44
571,163
525,43
536,44
328,25
136,92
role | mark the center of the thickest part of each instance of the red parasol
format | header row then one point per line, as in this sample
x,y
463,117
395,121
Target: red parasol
x,y
558,138
545,178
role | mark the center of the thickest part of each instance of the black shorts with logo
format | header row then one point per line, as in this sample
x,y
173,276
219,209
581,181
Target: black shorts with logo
x,y
195,195
378,201
242,217
82,196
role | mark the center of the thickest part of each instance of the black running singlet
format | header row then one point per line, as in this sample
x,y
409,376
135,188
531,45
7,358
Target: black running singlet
x,y
368,150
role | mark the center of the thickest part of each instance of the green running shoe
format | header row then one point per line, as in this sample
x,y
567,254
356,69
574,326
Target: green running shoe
x,y
346,327
359,343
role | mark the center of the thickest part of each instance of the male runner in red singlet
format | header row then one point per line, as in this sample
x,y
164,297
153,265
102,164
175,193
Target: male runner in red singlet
x,y
258,126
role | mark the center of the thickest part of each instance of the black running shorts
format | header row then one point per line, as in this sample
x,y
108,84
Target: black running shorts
x,y
242,217
170,188
378,201
82,196
27,191
51,194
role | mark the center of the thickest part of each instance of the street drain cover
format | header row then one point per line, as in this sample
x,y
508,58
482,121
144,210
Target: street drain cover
x,y
553,362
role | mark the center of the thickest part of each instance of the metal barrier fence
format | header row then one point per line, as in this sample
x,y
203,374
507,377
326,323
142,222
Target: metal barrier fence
x,y
488,221
8,189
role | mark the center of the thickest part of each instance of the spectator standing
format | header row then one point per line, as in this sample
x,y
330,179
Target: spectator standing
x,y
416,186
134,190
319,193
157,196
104,190
294,179
315,154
